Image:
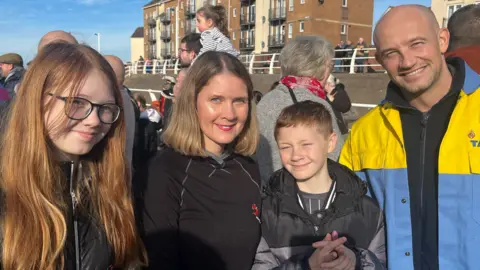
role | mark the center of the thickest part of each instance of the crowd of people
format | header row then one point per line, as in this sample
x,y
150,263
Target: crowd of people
x,y
238,181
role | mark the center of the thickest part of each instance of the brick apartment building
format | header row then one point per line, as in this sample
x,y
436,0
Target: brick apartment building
x,y
259,26
443,9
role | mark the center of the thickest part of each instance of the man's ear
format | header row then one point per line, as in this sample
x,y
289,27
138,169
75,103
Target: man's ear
x,y
332,142
443,39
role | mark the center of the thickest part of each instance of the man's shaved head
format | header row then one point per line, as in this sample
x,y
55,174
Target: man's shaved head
x,y
410,46
56,36
400,14
118,68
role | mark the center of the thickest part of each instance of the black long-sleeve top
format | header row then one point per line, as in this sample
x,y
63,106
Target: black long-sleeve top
x,y
200,213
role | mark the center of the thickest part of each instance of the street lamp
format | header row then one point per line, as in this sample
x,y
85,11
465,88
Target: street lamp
x,y
98,41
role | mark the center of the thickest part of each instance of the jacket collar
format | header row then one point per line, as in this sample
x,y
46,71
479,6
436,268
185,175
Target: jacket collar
x,y
472,80
349,187
457,68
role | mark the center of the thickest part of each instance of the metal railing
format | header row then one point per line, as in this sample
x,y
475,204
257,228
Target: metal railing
x,y
190,10
278,13
246,19
152,38
152,22
165,17
276,40
165,35
265,64
247,43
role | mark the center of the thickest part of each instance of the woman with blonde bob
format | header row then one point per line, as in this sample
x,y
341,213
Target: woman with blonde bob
x,y
63,175
201,200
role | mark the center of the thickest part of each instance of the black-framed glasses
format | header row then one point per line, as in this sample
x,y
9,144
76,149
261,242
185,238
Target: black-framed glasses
x,y
81,108
180,50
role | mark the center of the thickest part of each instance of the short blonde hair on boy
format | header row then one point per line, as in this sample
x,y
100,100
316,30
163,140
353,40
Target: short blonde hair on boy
x,y
308,113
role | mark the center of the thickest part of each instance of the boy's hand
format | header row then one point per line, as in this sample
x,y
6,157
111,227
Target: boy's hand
x,y
325,251
345,261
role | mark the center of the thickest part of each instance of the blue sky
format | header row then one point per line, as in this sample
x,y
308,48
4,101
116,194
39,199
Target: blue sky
x,y
23,22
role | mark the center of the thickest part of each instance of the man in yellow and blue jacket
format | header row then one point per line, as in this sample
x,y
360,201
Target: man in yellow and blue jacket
x,y
419,150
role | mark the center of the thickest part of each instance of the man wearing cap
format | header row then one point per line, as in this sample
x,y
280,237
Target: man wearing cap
x,y
11,67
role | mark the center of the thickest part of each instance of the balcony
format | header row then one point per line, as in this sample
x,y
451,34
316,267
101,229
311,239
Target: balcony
x,y
152,38
278,13
166,53
247,44
247,2
165,18
152,22
247,19
190,10
276,41
165,35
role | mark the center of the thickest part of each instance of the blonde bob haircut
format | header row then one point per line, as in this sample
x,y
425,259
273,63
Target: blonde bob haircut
x,y
183,132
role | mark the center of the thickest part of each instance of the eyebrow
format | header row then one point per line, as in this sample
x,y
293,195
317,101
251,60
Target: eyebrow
x,y
101,102
410,41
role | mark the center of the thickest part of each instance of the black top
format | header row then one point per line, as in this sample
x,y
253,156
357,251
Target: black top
x,y
422,135
199,213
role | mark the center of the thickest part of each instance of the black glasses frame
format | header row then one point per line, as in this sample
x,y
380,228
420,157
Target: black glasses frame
x,y
92,105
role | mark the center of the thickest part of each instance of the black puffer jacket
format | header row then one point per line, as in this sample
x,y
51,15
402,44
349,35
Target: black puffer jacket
x,y
288,231
87,246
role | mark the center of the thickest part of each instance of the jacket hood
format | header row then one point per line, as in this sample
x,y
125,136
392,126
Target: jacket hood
x,y
348,183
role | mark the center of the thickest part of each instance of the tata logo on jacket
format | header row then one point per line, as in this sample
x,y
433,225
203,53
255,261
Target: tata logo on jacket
x,y
475,143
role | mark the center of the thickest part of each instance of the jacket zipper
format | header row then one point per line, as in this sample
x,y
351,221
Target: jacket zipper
x,y
74,213
423,142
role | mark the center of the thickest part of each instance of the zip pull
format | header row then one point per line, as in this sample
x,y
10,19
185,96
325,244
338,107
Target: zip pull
x,y
74,201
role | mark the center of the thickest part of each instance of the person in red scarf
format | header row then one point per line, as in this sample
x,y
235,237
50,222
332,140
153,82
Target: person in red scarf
x,y
306,63
464,28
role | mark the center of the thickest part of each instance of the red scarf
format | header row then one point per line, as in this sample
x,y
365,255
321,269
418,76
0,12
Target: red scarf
x,y
310,83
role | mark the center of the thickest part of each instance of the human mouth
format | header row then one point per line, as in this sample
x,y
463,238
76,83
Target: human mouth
x,y
413,73
87,135
225,127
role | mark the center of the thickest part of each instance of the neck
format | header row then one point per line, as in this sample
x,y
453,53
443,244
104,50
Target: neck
x,y
214,148
426,100
317,184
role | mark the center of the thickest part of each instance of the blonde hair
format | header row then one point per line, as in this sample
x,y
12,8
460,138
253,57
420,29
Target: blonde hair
x,y
183,132
33,223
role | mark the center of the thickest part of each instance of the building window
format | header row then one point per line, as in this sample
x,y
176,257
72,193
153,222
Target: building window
x,y
290,5
302,26
344,3
290,30
343,29
181,5
241,35
234,12
451,9
234,36
302,2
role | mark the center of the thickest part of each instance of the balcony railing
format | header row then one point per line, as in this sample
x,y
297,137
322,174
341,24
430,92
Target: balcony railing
x,y
276,40
166,53
247,2
246,44
152,38
165,17
278,13
246,19
165,35
190,10
152,22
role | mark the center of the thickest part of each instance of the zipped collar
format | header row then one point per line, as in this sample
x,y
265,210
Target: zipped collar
x,y
456,67
349,187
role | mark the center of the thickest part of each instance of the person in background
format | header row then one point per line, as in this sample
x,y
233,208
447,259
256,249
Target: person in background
x,y
189,49
417,150
212,23
359,60
128,108
11,67
56,36
313,198
339,54
167,98
339,100
349,53
199,205
464,28
66,202
178,85
149,123
306,63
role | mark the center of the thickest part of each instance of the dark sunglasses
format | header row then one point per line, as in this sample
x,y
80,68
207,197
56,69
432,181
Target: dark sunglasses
x,y
81,108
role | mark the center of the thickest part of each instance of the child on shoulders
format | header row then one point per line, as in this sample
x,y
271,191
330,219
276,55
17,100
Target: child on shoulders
x,y
212,24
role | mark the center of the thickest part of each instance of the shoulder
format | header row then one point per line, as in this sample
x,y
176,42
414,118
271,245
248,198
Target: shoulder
x,y
274,100
249,165
369,120
168,165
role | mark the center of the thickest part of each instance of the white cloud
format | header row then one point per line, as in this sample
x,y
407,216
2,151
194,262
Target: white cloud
x,y
92,2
